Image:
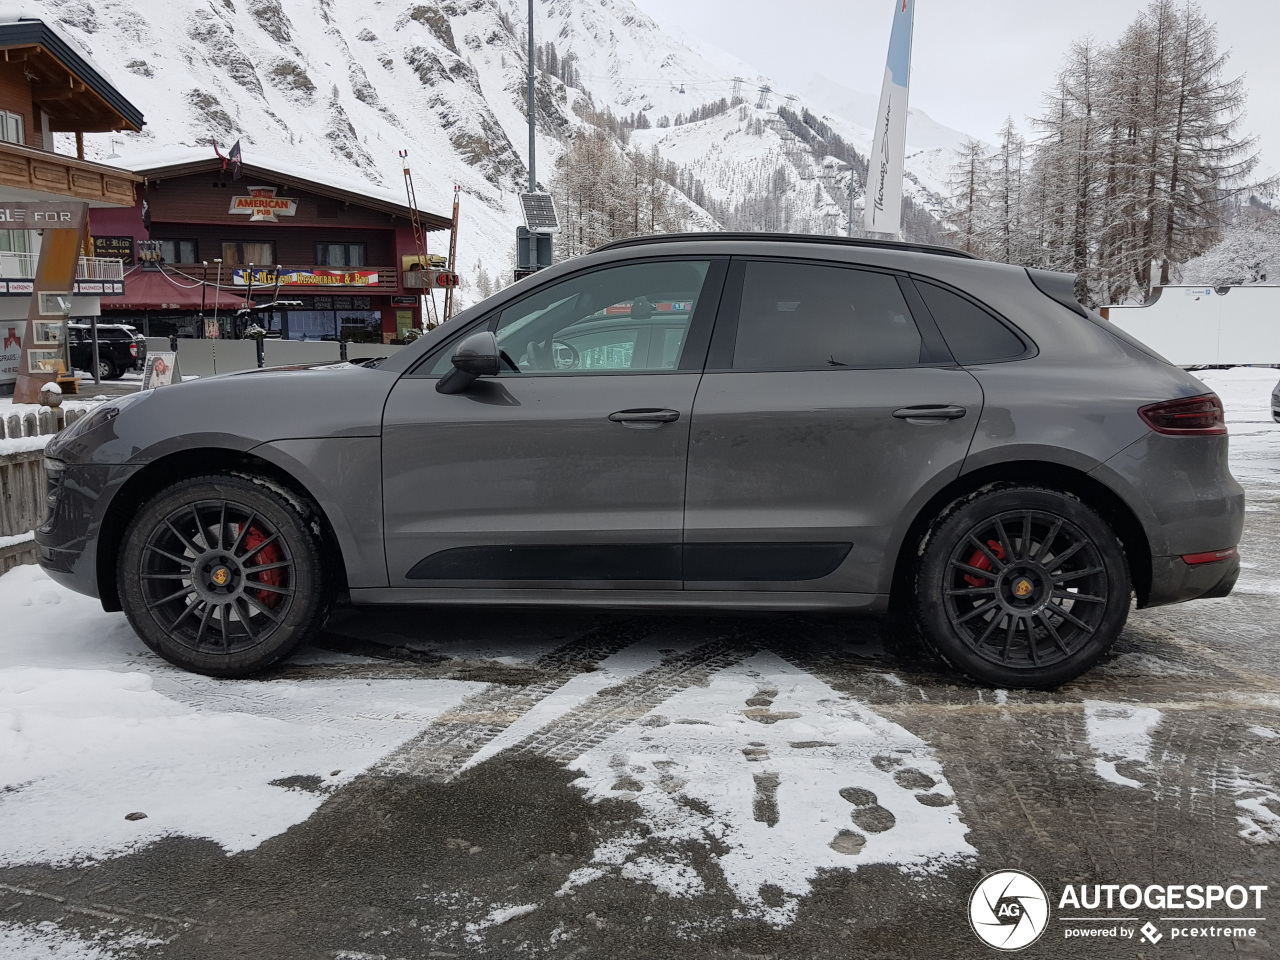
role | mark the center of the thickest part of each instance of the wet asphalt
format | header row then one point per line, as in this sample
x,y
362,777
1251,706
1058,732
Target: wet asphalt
x,y
403,861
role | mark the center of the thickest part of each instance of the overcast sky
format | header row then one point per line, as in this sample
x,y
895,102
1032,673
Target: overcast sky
x,y
975,61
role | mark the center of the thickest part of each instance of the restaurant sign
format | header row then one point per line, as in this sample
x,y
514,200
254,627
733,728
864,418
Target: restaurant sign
x,y
313,277
262,204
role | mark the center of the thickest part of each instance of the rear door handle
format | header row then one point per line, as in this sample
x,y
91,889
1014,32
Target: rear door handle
x,y
927,412
653,416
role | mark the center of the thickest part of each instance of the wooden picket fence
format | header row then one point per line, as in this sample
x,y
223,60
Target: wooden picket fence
x,y
22,479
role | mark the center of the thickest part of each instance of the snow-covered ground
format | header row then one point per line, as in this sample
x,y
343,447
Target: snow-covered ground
x,y
789,776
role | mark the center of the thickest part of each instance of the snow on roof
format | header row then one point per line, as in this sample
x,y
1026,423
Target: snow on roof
x,y
154,160
17,12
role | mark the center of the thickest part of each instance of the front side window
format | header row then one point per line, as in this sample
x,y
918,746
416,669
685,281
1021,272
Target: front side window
x,y
628,318
803,316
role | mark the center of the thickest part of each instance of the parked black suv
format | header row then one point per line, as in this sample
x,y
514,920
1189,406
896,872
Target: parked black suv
x,y
120,349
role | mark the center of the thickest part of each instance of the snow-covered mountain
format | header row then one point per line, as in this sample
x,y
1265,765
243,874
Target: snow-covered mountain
x,y
856,107
340,86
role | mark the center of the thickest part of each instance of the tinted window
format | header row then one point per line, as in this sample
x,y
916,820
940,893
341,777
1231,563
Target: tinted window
x,y
633,317
973,334
811,317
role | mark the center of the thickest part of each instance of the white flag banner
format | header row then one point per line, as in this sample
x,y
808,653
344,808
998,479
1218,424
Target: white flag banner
x,y
889,145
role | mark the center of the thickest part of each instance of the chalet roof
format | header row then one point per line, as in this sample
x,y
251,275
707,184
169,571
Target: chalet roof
x,y
170,164
52,56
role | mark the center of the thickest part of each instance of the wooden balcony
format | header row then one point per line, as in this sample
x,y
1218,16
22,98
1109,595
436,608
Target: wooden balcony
x,y
30,174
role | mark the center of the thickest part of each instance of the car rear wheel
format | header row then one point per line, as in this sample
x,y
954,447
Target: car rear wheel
x,y
223,575
106,369
1021,587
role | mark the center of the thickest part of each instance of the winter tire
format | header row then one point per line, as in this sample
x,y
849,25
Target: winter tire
x,y
223,575
1021,587
106,369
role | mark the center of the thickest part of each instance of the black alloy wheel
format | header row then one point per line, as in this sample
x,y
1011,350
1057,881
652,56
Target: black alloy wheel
x,y
1022,587
222,575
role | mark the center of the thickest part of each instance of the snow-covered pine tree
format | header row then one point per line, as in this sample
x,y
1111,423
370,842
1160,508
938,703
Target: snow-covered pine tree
x,y
970,187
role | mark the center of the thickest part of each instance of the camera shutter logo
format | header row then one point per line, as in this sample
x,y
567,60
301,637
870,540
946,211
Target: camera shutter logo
x,y
1009,910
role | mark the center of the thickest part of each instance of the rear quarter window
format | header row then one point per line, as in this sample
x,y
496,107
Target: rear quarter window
x,y
973,334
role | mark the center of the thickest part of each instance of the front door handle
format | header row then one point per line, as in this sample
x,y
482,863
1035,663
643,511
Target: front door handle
x,y
930,412
653,416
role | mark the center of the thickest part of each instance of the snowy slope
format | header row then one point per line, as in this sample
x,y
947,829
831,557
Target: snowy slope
x,y
340,86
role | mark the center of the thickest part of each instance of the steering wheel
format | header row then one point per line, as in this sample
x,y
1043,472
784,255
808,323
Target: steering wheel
x,y
564,356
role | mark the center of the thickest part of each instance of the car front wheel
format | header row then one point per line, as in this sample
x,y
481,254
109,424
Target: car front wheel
x,y
1021,587
222,575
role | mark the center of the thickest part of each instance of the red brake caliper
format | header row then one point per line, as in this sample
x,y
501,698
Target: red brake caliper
x,y
267,555
981,561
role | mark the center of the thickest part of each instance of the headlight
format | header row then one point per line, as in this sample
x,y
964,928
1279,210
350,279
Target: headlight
x,y
100,417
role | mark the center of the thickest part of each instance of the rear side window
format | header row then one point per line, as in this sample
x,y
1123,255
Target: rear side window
x,y
973,334
804,316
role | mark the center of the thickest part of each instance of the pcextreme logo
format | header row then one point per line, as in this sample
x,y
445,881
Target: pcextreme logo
x,y
1010,910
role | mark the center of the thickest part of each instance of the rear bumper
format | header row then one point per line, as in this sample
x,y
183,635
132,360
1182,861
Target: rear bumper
x,y
1175,581
1183,495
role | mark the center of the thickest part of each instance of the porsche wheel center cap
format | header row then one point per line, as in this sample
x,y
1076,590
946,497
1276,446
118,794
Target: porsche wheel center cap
x,y
1023,588
221,576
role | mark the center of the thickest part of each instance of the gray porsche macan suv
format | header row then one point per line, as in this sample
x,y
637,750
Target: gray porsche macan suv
x,y
696,421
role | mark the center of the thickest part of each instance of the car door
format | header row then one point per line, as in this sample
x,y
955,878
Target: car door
x,y
828,406
567,469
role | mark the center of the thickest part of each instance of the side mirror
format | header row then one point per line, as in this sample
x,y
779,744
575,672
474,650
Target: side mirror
x,y
476,356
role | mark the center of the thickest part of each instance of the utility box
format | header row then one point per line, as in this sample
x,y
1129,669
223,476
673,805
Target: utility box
x,y
533,250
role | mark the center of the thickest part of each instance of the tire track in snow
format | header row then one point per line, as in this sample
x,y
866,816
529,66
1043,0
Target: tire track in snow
x,y
442,749
606,712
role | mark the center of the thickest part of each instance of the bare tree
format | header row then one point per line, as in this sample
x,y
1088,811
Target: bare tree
x,y
1138,158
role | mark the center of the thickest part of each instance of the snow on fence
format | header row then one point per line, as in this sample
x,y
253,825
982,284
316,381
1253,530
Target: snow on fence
x,y
24,431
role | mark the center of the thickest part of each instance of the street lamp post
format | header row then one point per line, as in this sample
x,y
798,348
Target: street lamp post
x,y
533,119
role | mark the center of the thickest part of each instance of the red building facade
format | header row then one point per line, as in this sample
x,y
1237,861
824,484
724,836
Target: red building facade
x,y
347,256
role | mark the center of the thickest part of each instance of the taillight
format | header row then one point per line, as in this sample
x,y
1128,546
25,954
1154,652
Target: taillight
x,y
133,349
1213,556
1193,417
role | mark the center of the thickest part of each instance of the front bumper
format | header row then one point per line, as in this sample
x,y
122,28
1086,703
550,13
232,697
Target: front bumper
x,y
67,543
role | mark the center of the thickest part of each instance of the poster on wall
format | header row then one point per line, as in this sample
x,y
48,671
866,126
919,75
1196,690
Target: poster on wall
x,y
11,333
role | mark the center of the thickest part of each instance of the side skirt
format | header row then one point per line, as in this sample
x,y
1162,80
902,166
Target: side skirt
x,y
624,599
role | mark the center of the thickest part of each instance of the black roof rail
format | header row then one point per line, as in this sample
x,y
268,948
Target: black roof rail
x,y
787,238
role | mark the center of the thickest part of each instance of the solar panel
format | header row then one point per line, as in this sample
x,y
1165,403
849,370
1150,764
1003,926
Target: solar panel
x,y
539,213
